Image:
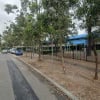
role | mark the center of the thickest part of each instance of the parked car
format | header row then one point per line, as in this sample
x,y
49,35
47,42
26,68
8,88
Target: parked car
x,y
13,50
4,51
19,52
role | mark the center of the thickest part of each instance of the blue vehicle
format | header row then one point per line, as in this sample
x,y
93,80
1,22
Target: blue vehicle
x,y
19,51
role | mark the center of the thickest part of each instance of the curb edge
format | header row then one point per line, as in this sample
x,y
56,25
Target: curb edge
x,y
65,91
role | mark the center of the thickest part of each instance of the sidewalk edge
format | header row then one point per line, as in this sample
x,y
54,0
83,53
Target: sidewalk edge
x,y
66,92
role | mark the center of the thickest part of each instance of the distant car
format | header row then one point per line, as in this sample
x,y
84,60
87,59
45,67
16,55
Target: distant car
x,y
4,51
8,50
19,52
13,50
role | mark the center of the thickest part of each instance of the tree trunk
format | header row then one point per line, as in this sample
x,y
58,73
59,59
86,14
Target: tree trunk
x,y
72,51
89,42
73,54
26,51
52,50
31,52
80,51
33,49
39,50
96,69
62,57
96,61
55,48
63,51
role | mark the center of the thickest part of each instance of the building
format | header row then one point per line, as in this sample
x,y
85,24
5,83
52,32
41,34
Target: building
x,y
79,41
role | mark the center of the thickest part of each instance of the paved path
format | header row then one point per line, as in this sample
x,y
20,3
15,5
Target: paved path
x,y
17,82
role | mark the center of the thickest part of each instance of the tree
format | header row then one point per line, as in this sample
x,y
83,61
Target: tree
x,y
38,31
89,12
16,28
58,20
29,32
10,8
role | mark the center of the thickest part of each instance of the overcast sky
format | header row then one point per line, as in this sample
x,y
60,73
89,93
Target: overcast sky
x,y
4,17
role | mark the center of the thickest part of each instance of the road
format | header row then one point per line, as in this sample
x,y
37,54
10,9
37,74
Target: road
x,y
18,82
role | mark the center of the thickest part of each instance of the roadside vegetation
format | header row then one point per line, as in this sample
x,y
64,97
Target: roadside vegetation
x,y
52,20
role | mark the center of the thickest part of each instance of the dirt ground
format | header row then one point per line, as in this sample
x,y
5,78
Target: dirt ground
x,y
78,78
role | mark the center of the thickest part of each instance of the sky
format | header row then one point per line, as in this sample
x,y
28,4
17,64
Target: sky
x,y
4,17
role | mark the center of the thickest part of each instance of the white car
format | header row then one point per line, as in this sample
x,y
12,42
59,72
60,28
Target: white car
x,y
4,51
13,50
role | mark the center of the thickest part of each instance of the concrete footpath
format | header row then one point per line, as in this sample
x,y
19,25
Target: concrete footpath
x,y
41,90
66,92
78,80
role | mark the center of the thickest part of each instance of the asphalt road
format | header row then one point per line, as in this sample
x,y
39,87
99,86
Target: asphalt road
x,y
18,82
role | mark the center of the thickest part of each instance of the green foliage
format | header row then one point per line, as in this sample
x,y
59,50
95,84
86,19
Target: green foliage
x,y
24,5
89,12
10,38
33,7
57,17
10,8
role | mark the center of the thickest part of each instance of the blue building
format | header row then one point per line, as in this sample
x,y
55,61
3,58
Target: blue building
x,y
79,41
